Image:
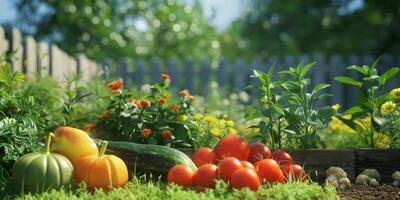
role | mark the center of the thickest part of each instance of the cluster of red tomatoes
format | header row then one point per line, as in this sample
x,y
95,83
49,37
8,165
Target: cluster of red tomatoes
x,y
240,164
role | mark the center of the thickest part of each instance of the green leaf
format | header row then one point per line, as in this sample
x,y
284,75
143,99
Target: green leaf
x,y
352,110
320,87
388,75
307,68
349,81
278,109
363,71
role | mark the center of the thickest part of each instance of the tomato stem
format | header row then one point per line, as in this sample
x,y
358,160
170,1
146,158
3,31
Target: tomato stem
x,y
48,141
103,148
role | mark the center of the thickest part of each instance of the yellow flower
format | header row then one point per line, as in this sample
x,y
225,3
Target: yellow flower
x,y
395,93
181,118
222,122
230,123
336,107
388,107
232,131
225,116
196,117
215,132
210,119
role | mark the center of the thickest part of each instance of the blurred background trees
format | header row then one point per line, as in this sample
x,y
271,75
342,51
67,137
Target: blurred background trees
x,y
168,28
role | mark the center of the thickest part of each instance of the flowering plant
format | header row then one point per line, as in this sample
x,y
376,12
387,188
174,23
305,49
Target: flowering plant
x,y
155,118
373,103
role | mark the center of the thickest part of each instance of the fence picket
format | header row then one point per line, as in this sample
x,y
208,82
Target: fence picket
x,y
174,72
336,69
43,57
155,70
352,93
3,41
223,73
205,75
188,73
123,71
16,46
30,51
138,74
239,80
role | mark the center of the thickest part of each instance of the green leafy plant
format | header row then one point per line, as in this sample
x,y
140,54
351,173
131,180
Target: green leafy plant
x,y
304,118
372,97
271,115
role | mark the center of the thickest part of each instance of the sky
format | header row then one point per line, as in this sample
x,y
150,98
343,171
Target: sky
x,y
226,11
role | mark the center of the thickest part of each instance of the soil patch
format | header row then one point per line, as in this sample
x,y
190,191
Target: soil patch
x,y
368,193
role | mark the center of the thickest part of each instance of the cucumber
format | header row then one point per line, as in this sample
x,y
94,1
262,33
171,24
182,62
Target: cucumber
x,y
146,158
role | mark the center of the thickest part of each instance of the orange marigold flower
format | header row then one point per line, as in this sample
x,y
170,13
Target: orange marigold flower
x,y
165,77
146,132
115,86
184,93
134,101
175,107
105,115
89,127
162,100
166,134
145,103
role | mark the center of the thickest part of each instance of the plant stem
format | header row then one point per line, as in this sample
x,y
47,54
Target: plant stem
x,y
48,141
103,148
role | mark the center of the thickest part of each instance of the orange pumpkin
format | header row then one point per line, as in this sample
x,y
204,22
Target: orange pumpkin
x,y
102,171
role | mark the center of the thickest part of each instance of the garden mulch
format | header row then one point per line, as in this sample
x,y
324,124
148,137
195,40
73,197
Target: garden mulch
x,y
363,192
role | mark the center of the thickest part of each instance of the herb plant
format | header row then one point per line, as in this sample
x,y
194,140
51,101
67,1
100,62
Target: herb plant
x,y
372,97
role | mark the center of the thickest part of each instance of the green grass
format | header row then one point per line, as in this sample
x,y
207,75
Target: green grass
x,y
158,190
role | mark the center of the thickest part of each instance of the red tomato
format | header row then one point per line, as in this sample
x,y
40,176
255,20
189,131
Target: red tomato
x,y
268,170
181,175
258,151
245,177
282,157
293,172
203,156
227,167
247,164
282,178
206,175
232,146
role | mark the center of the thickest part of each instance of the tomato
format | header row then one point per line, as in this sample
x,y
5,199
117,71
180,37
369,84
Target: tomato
x,y
181,175
247,164
227,167
282,157
293,172
232,146
268,170
282,179
206,175
245,177
258,151
203,156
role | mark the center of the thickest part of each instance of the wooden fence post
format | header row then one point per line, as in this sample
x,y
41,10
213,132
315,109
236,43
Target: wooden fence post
x,y
3,42
205,73
30,57
123,71
188,73
351,93
386,63
336,69
43,58
239,80
16,46
138,74
155,71
223,73
174,72
319,75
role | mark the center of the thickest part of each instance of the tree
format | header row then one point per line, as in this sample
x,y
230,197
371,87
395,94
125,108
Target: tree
x,y
120,28
315,26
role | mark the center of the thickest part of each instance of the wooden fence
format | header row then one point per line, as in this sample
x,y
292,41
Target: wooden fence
x,y
42,59
235,76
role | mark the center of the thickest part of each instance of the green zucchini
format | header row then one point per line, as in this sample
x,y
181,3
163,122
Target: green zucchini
x,y
146,158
